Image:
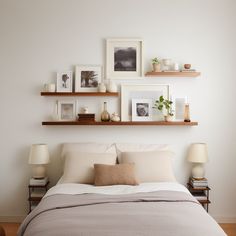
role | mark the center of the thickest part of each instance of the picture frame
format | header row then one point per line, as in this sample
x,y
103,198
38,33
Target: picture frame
x,y
142,91
66,110
142,109
87,78
124,58
64,81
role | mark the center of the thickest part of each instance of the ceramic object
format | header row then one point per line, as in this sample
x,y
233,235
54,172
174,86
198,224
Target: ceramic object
x,y
115,117
156,67
187,66
84,110
168,118
112,87
105,116
176,66
102,88
50,88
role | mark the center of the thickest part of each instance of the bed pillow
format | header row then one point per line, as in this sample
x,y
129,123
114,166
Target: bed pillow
x,y
79,166
135,147
122,174
151,166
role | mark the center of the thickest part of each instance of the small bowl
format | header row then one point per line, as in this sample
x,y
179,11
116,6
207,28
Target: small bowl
x,y
187,66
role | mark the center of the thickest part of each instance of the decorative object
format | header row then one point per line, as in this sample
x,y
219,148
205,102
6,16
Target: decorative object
x,y
198,155
124,58
87,78
141,109
176,66
156,64
84,110
38,158
112,87
55,115
187,66
67,110
186,111
102,88
64,81
144,91
166,64
115,117
179,108
50,88
105,116
165,106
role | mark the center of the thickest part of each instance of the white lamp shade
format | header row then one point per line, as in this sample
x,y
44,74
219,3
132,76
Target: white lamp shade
x,y
39,154
198,153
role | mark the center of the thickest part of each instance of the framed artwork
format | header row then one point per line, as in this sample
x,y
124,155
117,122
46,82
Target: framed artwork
x,y
64,81
87,78
66,110
124,58
141,91
142,109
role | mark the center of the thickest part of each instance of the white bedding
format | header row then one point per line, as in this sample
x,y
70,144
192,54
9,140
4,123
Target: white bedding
x,y
71,188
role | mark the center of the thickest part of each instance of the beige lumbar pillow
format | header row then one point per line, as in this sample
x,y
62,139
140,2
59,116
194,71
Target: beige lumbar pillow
x,y
79,166
122,174
151,166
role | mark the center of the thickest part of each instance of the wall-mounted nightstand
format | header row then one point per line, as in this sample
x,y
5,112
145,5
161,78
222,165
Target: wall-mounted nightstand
x,y
36,193
201,194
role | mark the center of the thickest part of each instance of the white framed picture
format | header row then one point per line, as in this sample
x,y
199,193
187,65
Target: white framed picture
x,y
66,110
124,58
142,109
64,81
142,91
87,78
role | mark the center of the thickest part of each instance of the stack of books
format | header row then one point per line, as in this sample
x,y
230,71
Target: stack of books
x,y
198,183
86,117
38,182
200,196
188,70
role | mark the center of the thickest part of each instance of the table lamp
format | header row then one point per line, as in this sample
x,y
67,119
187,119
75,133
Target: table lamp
x,y
38,158
198,155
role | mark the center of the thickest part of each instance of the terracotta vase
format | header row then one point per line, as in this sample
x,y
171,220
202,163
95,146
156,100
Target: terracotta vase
x,y
156,67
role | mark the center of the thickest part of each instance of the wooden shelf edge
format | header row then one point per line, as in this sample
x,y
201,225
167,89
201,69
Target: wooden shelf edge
x,y
107,94
127,123
172,74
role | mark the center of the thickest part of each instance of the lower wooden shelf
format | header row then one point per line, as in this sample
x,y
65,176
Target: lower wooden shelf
x,y
128,123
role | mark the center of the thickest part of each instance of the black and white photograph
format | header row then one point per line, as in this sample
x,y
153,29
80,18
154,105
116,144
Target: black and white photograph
x,y
67,110
87,78
141,109
125,58
64,81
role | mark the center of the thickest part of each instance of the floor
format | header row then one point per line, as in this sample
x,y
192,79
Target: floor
x,y
11,228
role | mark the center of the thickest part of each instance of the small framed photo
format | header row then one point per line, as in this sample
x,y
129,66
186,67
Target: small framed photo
x,y
67,110
87,78
64,81
124,58
142,109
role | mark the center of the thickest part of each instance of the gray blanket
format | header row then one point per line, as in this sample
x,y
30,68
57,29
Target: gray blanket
x,y
162,213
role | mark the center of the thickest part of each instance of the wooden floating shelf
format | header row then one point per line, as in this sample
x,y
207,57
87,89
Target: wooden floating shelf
x,y
172,74
127,123
87,94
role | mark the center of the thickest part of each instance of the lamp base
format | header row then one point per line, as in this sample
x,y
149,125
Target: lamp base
x,y
38,171
198,171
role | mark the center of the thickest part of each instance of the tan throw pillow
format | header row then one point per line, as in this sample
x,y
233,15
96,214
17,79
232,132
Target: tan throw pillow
x,y
79,166
123,174
151,166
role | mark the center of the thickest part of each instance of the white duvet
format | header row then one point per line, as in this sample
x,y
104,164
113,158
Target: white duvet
x,y
70,188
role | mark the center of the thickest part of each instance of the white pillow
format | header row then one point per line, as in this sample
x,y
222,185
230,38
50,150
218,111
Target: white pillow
x,y
151,166
134,147
79,166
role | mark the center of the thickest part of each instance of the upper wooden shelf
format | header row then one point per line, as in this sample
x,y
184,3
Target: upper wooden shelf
x,y
80,94
173,74
130,123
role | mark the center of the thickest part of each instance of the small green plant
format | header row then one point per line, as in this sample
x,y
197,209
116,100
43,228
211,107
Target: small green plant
x,y
155,61
162,104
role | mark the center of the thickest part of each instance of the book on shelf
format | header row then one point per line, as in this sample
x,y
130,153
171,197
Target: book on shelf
x,y
200,196
198,182
38,182
188,70
38,194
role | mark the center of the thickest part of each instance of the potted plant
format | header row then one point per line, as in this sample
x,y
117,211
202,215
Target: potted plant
x,y
165,106
156,64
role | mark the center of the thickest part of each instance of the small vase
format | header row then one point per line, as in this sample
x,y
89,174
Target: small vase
x,y
169,118
105,116
156,67
101,88
112,87
115,117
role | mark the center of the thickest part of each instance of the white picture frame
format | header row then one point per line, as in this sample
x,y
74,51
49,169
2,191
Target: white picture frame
x,y
142,91
124,58
66,110
142,109
87,78
64,81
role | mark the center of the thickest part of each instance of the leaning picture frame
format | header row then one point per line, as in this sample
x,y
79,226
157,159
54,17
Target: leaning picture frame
x,y
66,110
142,109
87,78
124,58
64,81
142,91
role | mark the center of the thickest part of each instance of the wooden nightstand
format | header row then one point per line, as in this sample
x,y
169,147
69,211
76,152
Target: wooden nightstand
x,y
201,194
36,193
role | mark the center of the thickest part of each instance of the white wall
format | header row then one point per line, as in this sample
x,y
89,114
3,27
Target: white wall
x,y
39,38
